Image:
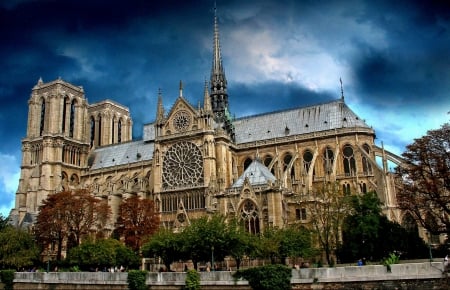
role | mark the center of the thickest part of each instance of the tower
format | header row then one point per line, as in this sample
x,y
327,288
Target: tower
x,y
55,149
219,95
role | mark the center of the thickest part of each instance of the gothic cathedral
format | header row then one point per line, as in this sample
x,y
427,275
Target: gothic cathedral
x,y
194,161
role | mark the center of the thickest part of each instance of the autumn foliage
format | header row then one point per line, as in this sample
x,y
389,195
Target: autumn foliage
x,y
66,217
138,220
425,188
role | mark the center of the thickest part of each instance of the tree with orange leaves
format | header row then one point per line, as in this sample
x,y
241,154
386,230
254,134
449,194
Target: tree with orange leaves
x,y
67,217
138,220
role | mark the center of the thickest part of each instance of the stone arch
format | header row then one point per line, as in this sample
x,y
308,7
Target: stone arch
x,y
348,158
250,216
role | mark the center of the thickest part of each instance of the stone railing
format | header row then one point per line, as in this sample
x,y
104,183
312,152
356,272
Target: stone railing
x,y
301,278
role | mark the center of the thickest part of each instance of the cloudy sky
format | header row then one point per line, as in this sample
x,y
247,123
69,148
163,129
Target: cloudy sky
x,y
393,58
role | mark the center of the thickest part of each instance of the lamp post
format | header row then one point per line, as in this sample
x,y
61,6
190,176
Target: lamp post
x,y
429,246
212,258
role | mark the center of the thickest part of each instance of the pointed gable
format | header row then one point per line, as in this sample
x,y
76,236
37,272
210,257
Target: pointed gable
x,y
256,174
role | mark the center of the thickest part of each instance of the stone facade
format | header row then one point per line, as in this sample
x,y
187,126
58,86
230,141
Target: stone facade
x,y
197,160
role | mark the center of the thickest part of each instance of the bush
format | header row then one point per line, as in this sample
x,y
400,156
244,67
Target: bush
x,y
269,277
7,278
392,259
136,280
192,280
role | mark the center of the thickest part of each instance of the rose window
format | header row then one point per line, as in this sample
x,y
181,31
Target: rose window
x,y
182,166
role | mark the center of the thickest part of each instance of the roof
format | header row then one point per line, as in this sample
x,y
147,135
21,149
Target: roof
x,y
257,174
326,116
120,154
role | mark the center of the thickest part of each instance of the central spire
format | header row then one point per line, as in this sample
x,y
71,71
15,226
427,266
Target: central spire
x,y
219,96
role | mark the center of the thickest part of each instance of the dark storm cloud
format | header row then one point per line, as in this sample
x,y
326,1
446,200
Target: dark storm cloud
x,y
392,55
415,64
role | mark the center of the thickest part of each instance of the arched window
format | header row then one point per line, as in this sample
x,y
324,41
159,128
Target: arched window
x,y
250,216
72,118
267,160
307,159
99,133
286,160
92,131
64,114
346,188
247,163
41,128
349,161
328,159
367,167
119,131
112,129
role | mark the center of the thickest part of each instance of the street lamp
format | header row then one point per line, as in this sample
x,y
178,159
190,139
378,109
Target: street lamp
x,y
429,245
212,258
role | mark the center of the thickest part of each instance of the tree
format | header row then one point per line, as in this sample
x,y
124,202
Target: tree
x,y
327,210
138,220
68,216
360,229
103,253
18,249
205,238
165,244
367,233
240,240
425,191
278,244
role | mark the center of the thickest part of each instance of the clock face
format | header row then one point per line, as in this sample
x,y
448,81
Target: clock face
x,y
181,121
182,166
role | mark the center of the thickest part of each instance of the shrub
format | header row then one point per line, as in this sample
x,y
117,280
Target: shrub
x,y
136,280
392,259
269,277
192,280
7,278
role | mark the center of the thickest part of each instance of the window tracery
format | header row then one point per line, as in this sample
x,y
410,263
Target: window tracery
x,y
182,166
349,161
250,216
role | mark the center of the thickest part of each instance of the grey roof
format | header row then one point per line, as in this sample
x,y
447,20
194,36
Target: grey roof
x,y
149,132
326,116
121,154
257,174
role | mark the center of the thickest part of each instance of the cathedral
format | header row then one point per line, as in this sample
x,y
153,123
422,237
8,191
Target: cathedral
x,y
198,160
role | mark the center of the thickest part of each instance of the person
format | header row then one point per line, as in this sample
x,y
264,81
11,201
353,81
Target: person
x,y
360,263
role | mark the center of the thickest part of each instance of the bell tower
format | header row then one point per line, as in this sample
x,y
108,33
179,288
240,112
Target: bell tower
x,y
55,148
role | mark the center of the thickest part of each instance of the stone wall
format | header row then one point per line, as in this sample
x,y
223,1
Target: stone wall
x,y
403,276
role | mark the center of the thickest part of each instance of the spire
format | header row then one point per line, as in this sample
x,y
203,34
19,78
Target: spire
x,y
160,109
206,98
342,89
181,89
219,96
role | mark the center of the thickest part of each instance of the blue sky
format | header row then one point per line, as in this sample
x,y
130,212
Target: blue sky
x,y
393,58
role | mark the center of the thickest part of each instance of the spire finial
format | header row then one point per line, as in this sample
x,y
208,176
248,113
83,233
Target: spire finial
x,y
342,89
181,88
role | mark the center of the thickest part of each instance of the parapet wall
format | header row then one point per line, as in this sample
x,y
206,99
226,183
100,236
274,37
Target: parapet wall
x,y
417,273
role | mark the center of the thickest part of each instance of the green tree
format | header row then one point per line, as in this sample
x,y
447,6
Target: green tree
x,y
206,238
18,248
425,187
327,210
277,244
367,233
91,255
165,244
241,242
